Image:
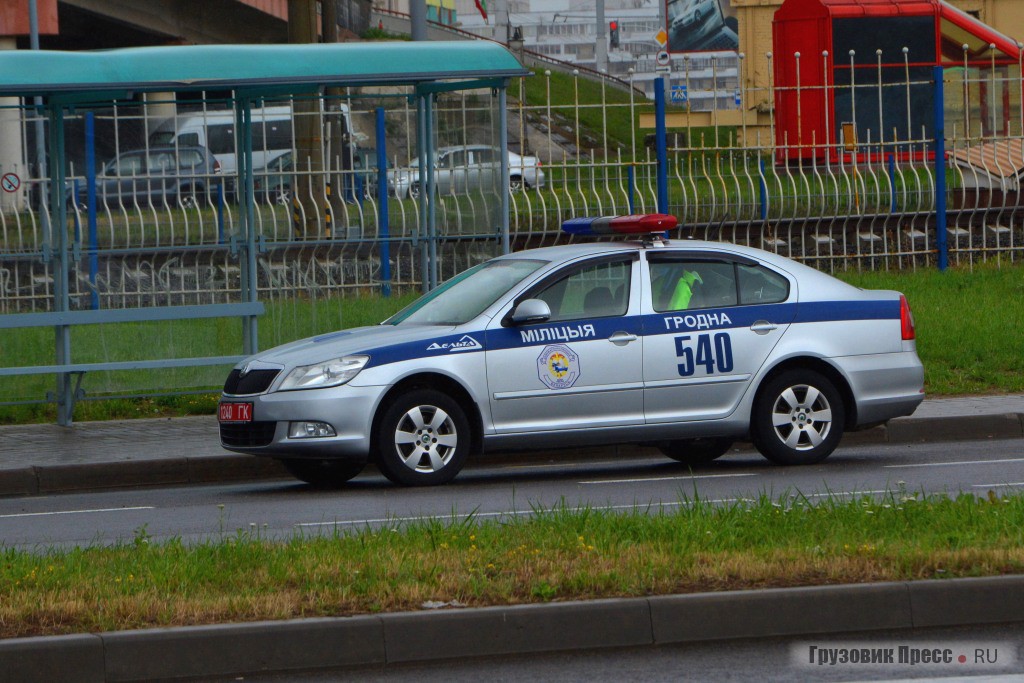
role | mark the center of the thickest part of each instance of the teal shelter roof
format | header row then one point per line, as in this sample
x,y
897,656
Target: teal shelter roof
x,y
256,68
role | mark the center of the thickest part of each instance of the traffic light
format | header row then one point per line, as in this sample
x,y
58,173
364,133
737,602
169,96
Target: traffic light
x,y
613,33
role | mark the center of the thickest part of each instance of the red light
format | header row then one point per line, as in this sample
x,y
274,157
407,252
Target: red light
x,y
906,320
613,25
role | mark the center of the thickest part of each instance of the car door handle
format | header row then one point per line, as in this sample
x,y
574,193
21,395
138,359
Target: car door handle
x,y
622,338
763,327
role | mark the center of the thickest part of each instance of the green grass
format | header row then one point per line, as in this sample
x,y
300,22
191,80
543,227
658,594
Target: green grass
x,y
558,554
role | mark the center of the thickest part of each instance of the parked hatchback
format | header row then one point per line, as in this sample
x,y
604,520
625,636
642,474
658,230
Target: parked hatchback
x,y
175,176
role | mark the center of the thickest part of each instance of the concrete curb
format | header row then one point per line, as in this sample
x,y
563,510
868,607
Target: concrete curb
x,y
230,468
380,640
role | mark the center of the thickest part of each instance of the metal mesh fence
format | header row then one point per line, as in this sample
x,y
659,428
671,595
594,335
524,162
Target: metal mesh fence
x,y
147,230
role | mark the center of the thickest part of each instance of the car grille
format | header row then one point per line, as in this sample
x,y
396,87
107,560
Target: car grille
x,y
254,382
247,434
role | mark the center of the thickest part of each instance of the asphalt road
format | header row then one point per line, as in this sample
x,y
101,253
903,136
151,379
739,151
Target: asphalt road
x,y
280,509
767,660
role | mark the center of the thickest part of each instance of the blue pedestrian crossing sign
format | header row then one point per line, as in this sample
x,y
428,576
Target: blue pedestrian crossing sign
x,y
679,94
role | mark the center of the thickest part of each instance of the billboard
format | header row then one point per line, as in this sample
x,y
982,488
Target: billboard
x,y
700,26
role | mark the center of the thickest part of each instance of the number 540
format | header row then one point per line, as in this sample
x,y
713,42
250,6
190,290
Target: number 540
x,y
711,354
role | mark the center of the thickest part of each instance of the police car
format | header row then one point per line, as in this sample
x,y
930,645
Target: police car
x,y
686,345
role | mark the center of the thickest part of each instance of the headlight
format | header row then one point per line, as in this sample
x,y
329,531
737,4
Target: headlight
x,y
330,373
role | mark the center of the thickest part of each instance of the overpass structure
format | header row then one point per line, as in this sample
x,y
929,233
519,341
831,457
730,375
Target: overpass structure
x,y
102,24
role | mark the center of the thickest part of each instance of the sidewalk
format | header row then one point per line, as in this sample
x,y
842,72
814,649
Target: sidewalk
x,y
43,459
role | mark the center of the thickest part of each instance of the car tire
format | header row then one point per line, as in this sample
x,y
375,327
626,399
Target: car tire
x,y
322,474
798,418
698,451
517,184
423,439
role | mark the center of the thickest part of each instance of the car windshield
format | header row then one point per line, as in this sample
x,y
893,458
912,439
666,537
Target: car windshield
x,y
466,295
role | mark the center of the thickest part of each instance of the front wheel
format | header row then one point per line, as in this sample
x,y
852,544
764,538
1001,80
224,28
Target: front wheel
x,y
423,439
798,418
322,474
698,451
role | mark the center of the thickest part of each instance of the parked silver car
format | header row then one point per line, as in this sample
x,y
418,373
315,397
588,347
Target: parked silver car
x,y
684,344
157,176
461,169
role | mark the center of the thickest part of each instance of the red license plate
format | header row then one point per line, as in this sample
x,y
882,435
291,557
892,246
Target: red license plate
x,y
235,412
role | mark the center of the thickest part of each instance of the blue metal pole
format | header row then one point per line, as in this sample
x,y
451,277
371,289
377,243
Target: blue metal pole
x,y
661,137
940,170
90,179
382,205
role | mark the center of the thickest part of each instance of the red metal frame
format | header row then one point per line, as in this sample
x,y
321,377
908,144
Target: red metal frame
x,y
806,27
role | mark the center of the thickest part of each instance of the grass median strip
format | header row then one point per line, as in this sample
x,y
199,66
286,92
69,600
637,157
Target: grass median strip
x,y
550,555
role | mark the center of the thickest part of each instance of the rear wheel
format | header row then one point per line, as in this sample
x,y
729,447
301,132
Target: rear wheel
x,y
798,418
696,451
423,439
322,474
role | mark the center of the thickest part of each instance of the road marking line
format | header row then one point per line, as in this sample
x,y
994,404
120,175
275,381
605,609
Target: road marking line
x,y
995,486
626,506
76,512
961,462
686,477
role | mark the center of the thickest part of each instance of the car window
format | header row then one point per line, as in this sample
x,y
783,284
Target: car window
x,y
127,165
454,159
160,162
189,159
687,284
597,291
466,295
483,156
185,140
222,139
758,285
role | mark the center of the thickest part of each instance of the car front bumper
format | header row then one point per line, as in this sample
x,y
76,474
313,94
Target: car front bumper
x,y
348,409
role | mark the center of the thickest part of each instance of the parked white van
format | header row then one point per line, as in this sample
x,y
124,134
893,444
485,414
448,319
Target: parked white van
x,y
273,133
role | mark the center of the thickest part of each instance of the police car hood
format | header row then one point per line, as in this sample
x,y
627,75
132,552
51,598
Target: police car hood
x,y
358,340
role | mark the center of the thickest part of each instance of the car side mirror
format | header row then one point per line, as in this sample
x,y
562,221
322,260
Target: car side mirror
x,y
531,311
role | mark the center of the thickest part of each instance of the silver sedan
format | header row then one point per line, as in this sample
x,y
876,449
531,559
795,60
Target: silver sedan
x,y
686,345
469,168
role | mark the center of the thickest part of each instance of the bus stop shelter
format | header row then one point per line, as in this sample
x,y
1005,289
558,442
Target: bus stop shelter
x,y
60,82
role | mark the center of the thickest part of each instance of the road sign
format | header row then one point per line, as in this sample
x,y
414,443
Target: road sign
x,y
662,58
663,69
661,38
10,182
679,94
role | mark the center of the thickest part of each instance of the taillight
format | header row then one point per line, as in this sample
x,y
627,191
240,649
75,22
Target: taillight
x,y
216,166
906,320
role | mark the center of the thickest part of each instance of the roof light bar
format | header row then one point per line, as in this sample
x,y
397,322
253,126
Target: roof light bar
x,y
620,225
